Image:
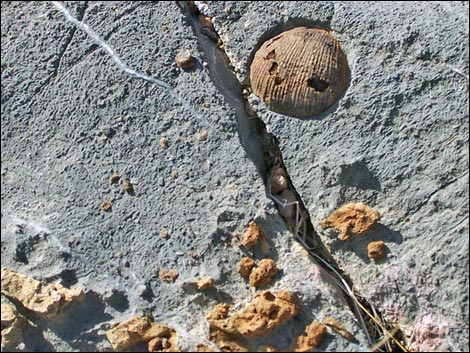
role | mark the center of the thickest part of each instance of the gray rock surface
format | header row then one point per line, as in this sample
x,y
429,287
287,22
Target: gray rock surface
x,y
397,140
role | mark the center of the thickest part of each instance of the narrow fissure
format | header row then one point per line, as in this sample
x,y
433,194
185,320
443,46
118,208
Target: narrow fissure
x,y
262,148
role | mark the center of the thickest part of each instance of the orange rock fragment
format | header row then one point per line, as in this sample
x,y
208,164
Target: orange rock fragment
x,y
141,329
12,322
245,266
33,295
338,328
204,283
353,218
311,337
376,249
169,276
263,273
252,235
265,312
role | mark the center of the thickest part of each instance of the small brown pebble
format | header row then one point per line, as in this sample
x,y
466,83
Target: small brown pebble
x,y
252,235
263,273
337,327
206,105
184,59
164,142
106,206
245,266
169,276
203,136
164,28
113,179
127,186
204,283
311,337
206,22
174,173
164,234
376,249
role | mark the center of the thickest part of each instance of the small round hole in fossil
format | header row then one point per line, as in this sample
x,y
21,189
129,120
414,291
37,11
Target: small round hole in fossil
x,y
278,80
317,84
273,68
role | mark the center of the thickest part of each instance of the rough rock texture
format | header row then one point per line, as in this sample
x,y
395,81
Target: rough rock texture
x,y
33,295
12,322
263,273
252,235
396,140
353,218
376,249
141,329
311,337
245,266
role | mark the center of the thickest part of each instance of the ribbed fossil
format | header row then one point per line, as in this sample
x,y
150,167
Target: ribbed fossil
x,y
300,72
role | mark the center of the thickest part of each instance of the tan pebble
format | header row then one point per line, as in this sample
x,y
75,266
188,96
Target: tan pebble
x,y
376,249
164,142
164,234
252,235
127,186
184,59
204,283
311,338
106,206
278,184
206,105
203,136
263,273
193,254
169,276
245,266
164,28
113,179
174,173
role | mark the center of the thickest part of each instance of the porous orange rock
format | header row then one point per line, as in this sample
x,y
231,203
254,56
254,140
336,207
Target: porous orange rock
x,y
263,273
300,72
265,312
141,329
245,266
376,249
311,337
169,276
353,218
252,235
33,295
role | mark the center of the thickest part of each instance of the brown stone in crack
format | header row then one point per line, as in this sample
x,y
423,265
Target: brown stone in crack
x,y
263,273
106,206
33,295
376,249
252,235
300,72
245,266
338,328
169,276
113,179
311,337
353,218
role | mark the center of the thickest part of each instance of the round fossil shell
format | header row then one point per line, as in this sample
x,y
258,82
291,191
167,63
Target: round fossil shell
x,y
300,72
